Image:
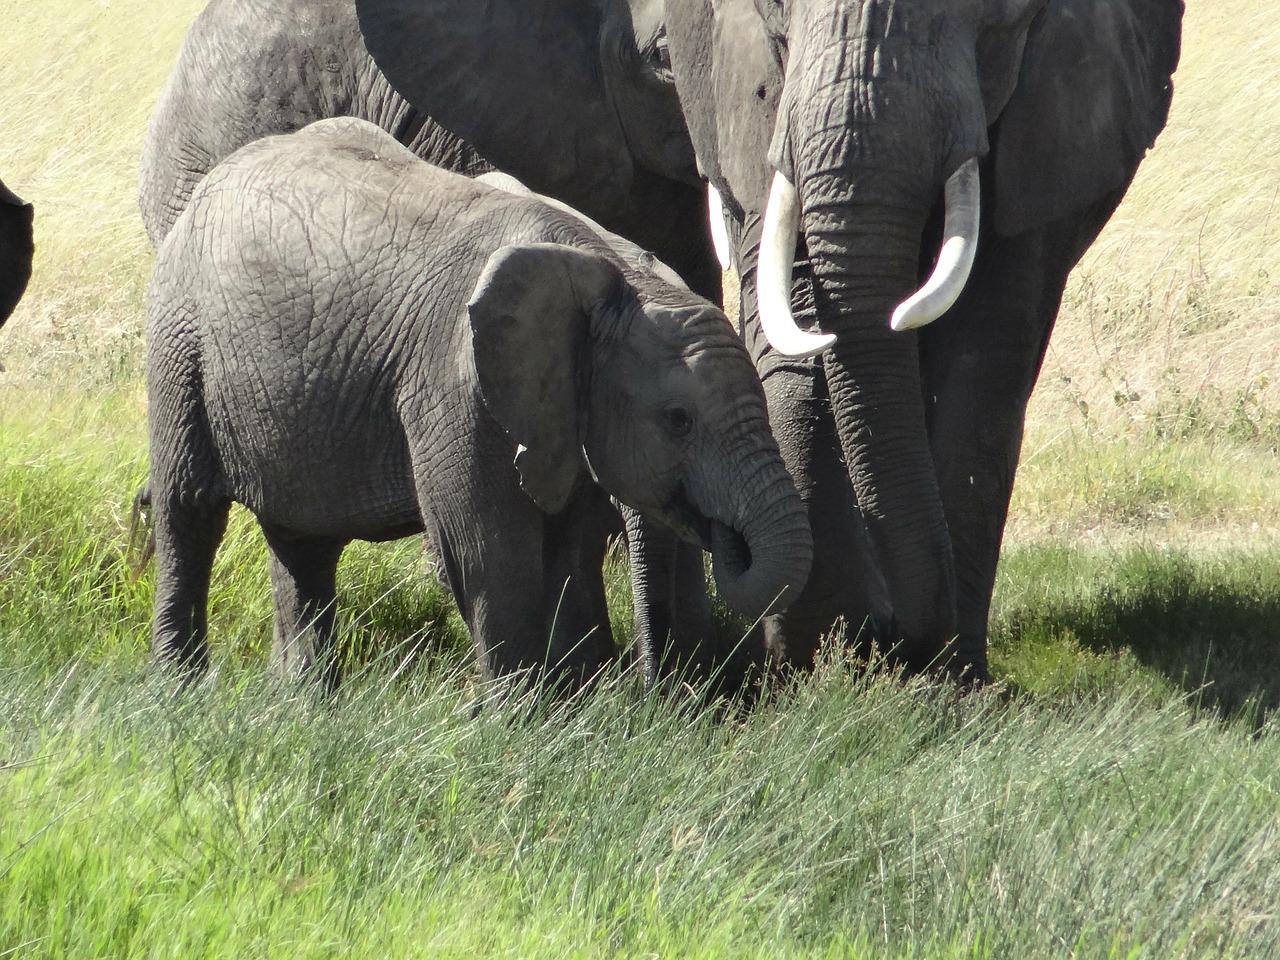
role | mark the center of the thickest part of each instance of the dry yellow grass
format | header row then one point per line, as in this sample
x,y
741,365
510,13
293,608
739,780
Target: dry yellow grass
x,y
1180,296
78,80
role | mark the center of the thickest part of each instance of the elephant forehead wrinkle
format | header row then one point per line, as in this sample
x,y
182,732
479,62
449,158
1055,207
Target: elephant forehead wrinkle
x,y
877,39
683,331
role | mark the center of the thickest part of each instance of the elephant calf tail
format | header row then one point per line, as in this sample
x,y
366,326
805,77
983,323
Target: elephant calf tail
x,y
140,523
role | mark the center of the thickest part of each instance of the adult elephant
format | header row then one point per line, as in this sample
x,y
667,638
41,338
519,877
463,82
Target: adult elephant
x,y
575,99
854,118
16,249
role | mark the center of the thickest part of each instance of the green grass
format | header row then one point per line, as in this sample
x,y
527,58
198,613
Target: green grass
x,y
846,817
1077,481
66,559
1204,626
1115,797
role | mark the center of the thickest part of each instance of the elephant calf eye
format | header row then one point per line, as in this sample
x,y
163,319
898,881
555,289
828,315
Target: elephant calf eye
x,y
677,420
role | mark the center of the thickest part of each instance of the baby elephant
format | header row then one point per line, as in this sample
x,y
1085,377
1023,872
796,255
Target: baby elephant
x,y
355,344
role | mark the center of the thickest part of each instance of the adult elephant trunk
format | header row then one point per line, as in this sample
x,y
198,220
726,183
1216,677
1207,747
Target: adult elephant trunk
x,y
864,253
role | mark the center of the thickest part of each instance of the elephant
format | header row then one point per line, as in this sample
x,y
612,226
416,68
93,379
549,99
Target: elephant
x,y
907,185
354,343
1031,116
17,248
904,444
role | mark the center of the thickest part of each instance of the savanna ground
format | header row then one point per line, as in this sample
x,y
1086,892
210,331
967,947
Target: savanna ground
x,y
1116,797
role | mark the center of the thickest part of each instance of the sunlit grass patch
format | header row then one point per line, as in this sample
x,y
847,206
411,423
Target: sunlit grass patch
x,y
1075,481
71,464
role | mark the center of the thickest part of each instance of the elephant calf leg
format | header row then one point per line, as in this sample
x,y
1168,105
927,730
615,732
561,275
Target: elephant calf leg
x,y
573,554
524,620
304,587
187,538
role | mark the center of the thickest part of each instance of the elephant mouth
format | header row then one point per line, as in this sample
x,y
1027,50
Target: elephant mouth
x,y
687,520
711,535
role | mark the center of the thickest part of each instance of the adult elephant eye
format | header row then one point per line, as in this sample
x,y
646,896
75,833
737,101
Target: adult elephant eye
x,y
677,420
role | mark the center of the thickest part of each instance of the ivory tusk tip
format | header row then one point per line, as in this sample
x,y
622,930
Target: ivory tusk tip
x,y
719,231
907,317
723,258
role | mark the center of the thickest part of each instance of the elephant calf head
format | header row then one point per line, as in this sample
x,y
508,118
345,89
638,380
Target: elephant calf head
x,y
646,387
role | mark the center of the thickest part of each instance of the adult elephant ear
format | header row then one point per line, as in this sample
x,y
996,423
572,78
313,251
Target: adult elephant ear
x,y
1092,95
520,80
530,317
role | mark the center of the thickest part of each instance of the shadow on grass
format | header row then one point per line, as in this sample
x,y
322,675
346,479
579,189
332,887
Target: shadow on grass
x,y
1209,625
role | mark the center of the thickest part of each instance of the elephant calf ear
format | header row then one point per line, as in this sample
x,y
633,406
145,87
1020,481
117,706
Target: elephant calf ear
x,y
1093,93
530,318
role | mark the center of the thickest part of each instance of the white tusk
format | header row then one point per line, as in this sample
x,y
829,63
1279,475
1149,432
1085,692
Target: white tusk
x,y
719,234
959,244
773,275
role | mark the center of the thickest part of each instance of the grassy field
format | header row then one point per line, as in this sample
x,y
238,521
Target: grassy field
x,y
1115,796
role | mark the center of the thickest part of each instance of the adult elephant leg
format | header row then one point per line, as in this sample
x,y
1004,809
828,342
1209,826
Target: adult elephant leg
x,y
304,589
669,597
979,365
844,581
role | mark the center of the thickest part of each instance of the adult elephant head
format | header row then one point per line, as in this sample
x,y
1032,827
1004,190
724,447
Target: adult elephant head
x,y
16,250
854,118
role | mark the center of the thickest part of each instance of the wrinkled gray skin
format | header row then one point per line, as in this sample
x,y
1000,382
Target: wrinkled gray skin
x,y
904,445
253,68
17,248
356,344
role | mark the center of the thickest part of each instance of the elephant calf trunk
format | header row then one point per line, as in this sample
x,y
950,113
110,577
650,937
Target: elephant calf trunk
x,y
760,572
